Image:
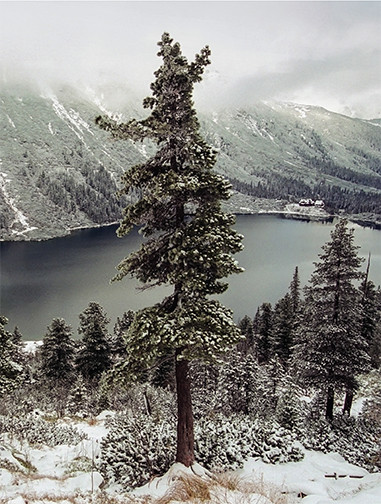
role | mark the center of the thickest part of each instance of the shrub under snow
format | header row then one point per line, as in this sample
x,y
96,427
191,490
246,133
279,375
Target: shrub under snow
x,y
138,448
36,430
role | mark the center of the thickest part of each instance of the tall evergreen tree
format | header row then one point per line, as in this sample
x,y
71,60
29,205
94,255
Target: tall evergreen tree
x,y
283,325
371,317
118,343
189,238
246,327
94,355
263,332
294,290
331,350
10,370
56,353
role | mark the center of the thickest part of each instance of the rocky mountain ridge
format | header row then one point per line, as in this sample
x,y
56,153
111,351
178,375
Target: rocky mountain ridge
x,y
59,171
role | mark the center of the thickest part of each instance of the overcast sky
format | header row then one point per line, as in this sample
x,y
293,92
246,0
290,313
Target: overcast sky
x,y
320,53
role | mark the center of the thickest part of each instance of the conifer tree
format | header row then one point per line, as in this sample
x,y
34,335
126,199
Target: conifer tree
x,y
371,318
57,353
294,290
331,351
118,343
94,355
246,327
10,370
189,240
20,356
263,332
283,328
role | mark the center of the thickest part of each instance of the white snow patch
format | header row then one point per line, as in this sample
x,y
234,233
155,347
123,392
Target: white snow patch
x,y
357,406
10,121
20,218
31,346
324,478
289,163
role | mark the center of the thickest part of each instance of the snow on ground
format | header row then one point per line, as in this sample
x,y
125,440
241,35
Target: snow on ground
x,y
20,219
40,474
346,483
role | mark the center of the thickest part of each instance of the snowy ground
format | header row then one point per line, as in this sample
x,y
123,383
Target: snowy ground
x,y
41,475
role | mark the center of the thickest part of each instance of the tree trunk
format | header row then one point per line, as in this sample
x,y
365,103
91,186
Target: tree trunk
x,y
329,407
348,402
185,435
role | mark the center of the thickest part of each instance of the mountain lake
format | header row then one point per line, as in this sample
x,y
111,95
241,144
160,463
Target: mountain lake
x,y
59,277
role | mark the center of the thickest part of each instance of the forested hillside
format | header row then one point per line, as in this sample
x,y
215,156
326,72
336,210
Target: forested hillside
x,y
60,171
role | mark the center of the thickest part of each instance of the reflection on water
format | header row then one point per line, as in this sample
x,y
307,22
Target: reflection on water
x,y
58,278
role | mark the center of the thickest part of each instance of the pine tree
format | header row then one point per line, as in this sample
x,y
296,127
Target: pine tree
x,y
94,355
10,370
56,354
263,332
331,351
20,356
294,290
246,327
236,386
283,328
78,400
189,238
371,317
118,343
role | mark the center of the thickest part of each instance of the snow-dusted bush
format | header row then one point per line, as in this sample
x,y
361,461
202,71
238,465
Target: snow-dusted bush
x,y
140,447
137,448
226,442
36,430
358,441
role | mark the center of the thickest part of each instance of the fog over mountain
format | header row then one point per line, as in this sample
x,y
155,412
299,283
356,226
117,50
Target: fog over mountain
x,y
320,53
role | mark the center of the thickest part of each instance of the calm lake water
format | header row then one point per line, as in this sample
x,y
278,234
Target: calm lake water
x,y
58,278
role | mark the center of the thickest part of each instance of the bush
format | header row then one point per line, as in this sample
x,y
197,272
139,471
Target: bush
x,y
36,430
226,442
136,449
358,441
139,447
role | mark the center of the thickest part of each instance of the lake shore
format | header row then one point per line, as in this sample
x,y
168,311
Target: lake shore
x,y
239,204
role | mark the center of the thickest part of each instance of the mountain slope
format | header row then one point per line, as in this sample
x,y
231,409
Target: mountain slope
x,y
59,171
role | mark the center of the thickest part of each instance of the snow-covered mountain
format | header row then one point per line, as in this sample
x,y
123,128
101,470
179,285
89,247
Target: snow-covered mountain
x,y
59,171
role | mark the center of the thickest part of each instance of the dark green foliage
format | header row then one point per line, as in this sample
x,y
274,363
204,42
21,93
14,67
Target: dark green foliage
x,y
294,290
10,370
136,449
330,349
118,340
94,355
189,238
139,447
56,354
246,327
283,328
190,252
263,326
371,319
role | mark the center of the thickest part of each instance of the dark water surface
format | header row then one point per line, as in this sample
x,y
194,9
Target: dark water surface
x,y
58,278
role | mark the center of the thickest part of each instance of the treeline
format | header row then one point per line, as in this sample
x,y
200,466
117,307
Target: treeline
x,y
96,196
292,189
